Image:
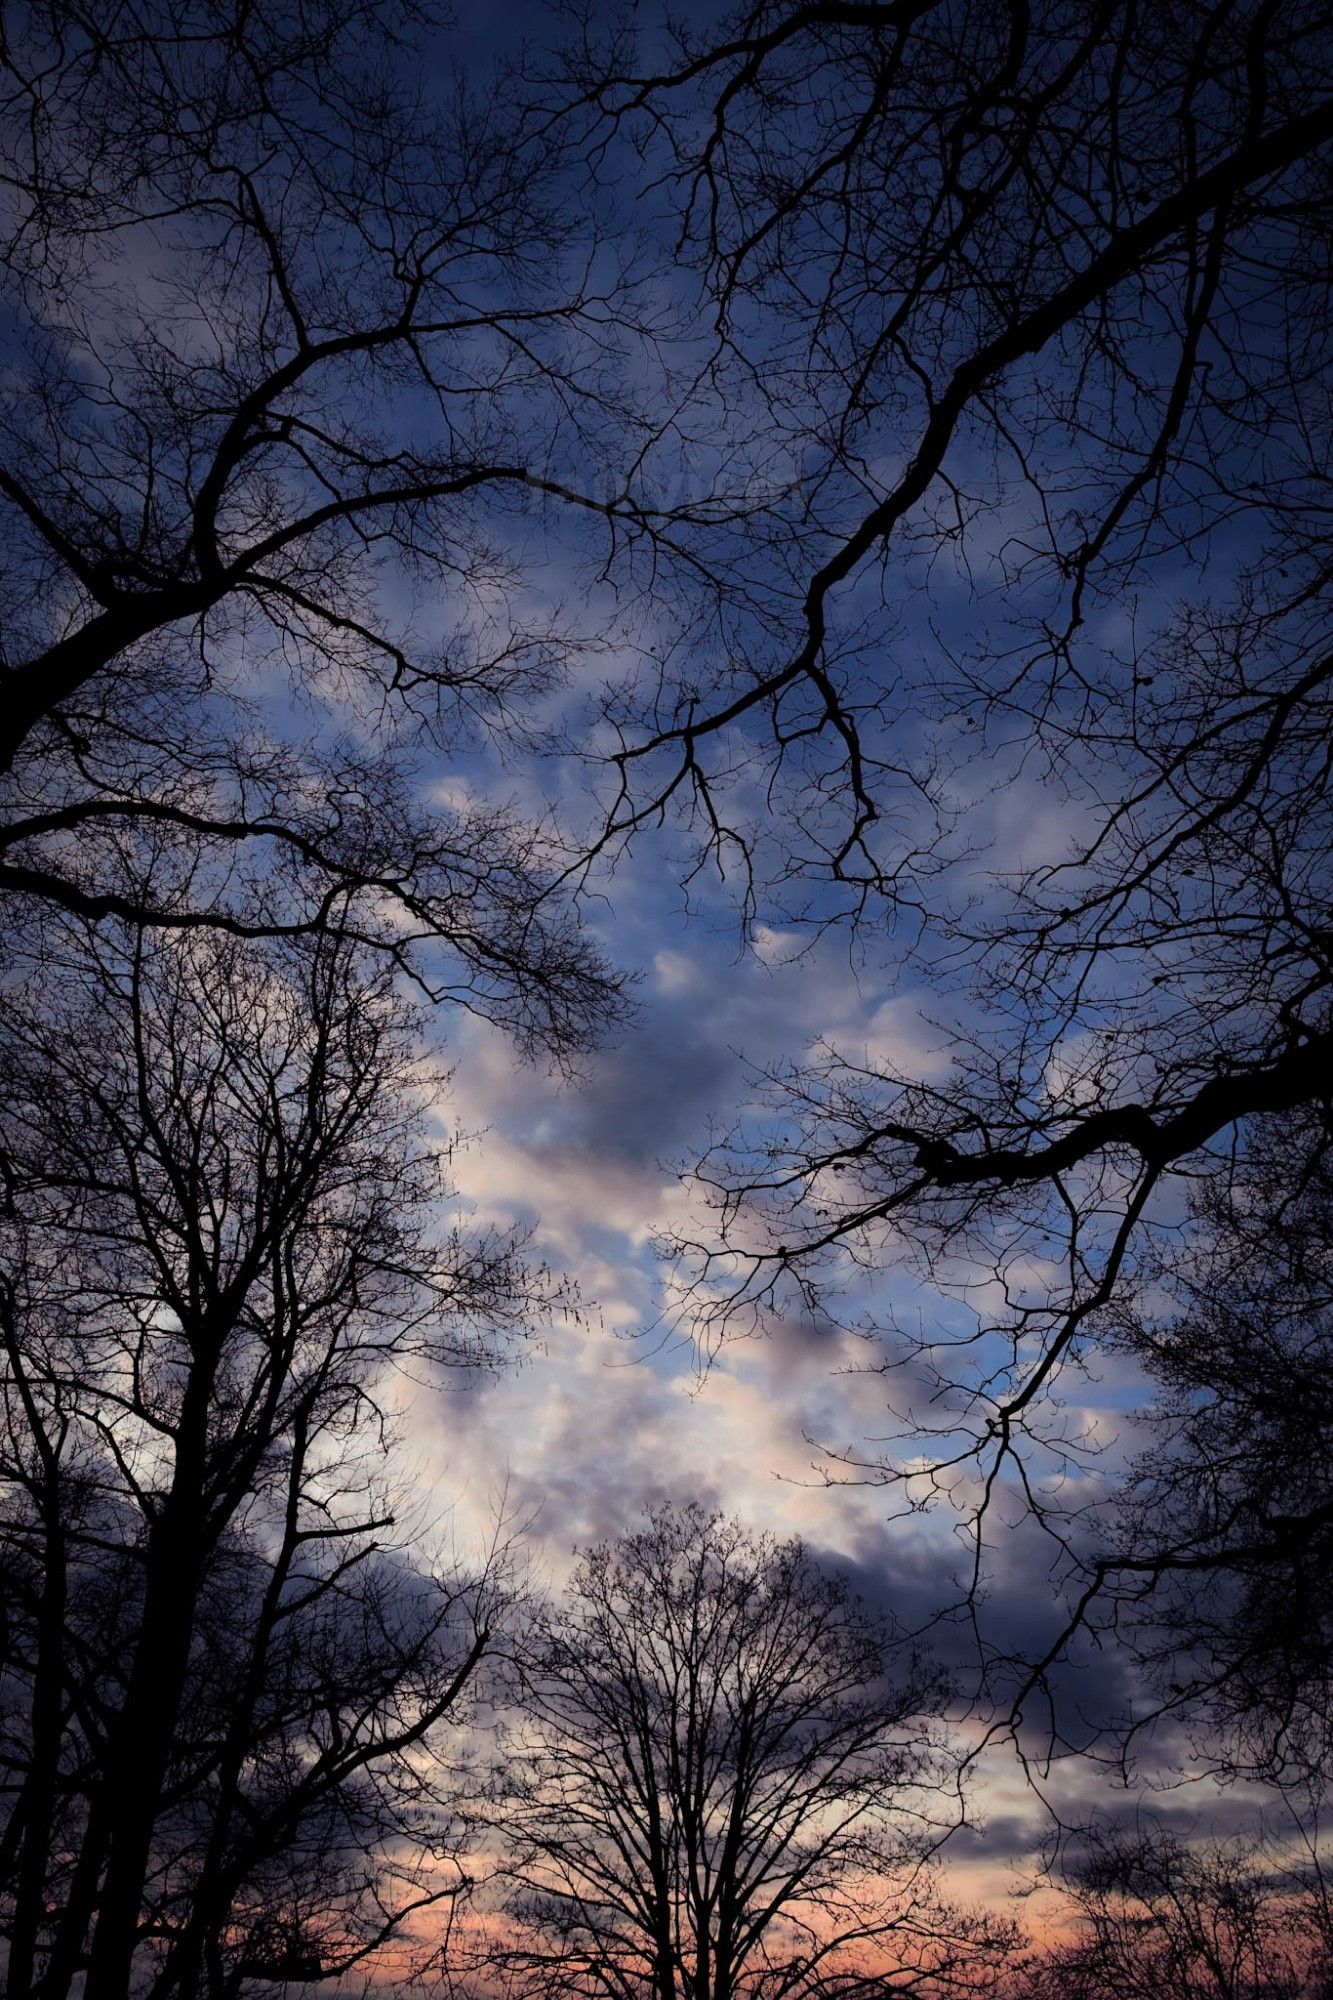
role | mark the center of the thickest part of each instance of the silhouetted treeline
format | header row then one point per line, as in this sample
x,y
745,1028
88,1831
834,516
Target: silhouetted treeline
x,y
1205,1920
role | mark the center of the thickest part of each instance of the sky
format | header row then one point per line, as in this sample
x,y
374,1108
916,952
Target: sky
x,y
608,1408
608,1405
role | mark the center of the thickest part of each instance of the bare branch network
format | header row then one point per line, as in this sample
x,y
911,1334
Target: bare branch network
x,y
875,451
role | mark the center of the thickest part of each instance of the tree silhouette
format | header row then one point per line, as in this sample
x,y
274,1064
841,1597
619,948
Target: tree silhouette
x,y
1205,1922
294,332
1029,298
1217,1564
1018,315
294,340
229,1652
717,1789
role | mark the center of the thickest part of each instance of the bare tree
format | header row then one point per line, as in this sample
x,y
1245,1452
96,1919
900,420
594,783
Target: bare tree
x,y
1053,260
229,1652
298,328
1025,308
718,1790
1034,300
1156,1915
1217,1564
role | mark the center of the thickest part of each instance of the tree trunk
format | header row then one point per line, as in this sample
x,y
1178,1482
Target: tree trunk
x,y
37,1801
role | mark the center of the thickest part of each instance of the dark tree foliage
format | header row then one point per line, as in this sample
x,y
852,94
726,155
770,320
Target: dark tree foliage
x,y
718,1789
228,1653
1036,302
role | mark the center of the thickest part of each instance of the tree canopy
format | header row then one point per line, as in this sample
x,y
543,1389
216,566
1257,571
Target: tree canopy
x,y
720,1786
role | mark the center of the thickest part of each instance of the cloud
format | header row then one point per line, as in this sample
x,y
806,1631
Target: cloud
x,y
607,1412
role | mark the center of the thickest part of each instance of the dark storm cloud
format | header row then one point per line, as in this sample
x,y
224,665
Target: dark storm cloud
x,y
921,1589
1001,1837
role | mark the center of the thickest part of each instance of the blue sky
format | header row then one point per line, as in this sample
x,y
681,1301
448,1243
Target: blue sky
x,y
1002,710
609,1408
